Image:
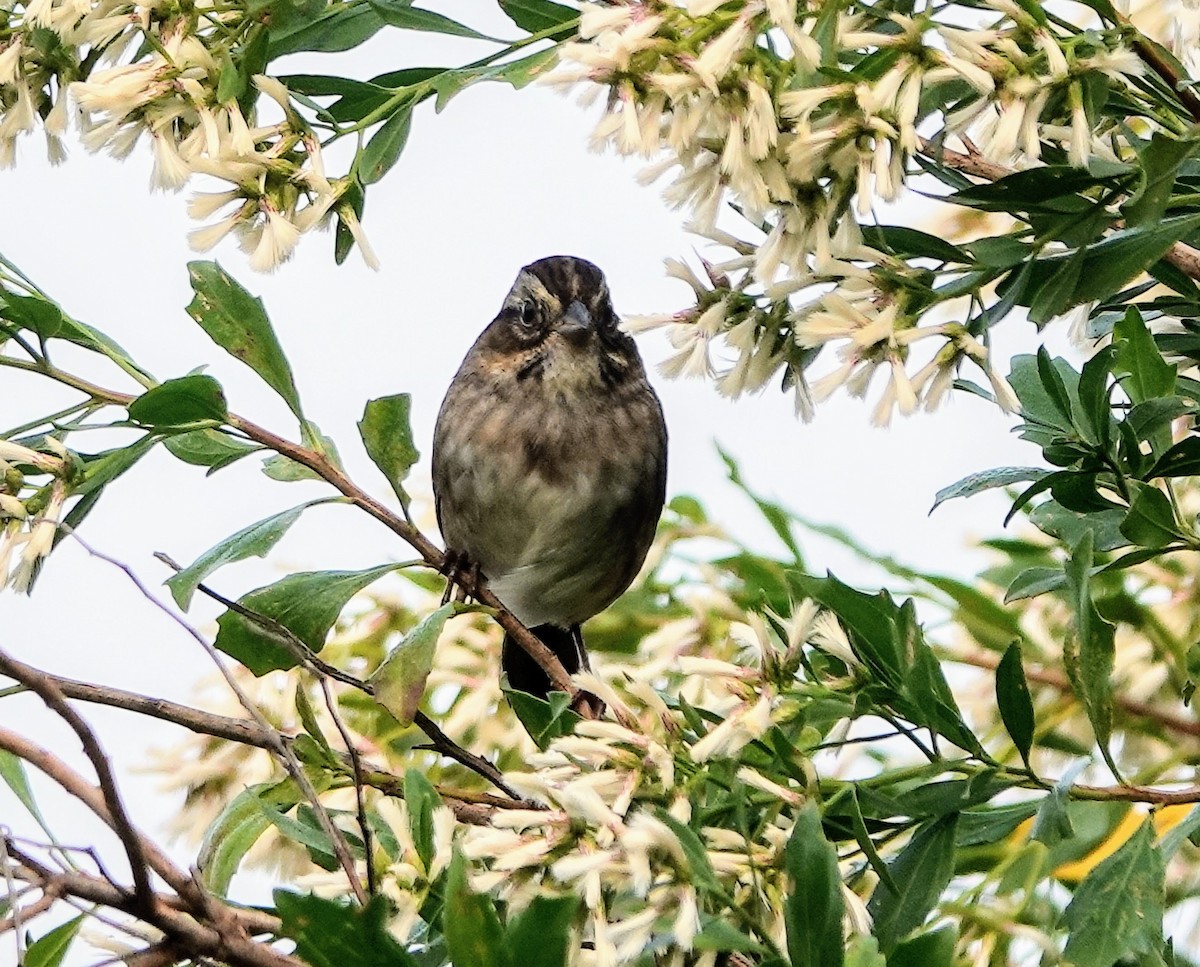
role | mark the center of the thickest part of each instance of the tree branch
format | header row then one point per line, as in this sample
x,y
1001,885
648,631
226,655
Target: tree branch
x,y
118,819
1183,257
320,465
229,941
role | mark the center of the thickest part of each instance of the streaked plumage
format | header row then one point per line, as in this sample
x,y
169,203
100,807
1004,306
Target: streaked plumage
x,y
549,457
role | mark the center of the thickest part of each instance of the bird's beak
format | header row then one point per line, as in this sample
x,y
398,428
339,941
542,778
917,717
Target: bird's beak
x,y
576,323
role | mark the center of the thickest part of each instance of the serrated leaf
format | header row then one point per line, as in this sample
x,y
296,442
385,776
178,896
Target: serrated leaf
x,y
307,604
238,828
813,908
385,146
925,866
986,480
1014,701
335,933
399,681
189,399
387,434
50,949
421,799
470,922
253,541
237,322
1118,908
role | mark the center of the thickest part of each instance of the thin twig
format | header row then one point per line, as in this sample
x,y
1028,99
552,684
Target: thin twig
x,y
78,787
1060,682
121,824
197,938
1182,256
355,765
440,741
295,770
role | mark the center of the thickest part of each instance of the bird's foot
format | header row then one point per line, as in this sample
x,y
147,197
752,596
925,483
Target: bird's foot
x,y
461,573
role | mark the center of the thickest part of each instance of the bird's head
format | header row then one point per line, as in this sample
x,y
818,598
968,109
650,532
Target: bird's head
x,y
558,323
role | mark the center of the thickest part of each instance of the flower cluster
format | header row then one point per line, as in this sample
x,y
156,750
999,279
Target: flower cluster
x,y
741,102
178,91
29,524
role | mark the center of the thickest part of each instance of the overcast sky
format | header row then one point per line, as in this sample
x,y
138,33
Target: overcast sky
x,y
499,179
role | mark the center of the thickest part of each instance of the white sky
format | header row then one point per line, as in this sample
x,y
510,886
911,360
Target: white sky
x,y
499,179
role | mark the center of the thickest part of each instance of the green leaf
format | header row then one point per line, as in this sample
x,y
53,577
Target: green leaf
x,y
1057,293
702,876
253,541
385,146
310,835
387,434
238,828
976,483
312,728
1055,387
400,13
421,799
189,399
399,682
924,866
1160,162
307,604
932,949
1124,255
237,322
1016,705
469,921
1033,581
1150,521
1089,665
1149,375
1033,189
540,935
544,719
538,15
12,771
335,933
863,951
50,949
208,448
1182,460
912,243
341,29
813,909
1118,908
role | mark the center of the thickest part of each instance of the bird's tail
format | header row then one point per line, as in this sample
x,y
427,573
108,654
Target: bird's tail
x,y
526,675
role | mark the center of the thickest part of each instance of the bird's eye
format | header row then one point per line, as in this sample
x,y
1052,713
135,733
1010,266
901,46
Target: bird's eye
x,y
529,313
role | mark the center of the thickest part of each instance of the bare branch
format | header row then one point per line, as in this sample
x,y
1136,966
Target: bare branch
x,y
119,819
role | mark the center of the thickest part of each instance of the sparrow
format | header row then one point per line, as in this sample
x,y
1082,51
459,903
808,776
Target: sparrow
x,y
549,460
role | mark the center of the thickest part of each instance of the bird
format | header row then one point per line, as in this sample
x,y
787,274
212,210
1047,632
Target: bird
x,y
549,461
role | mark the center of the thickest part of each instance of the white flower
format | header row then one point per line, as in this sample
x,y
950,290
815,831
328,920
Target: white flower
x,y
745,724
275,244
170,170
719,54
